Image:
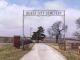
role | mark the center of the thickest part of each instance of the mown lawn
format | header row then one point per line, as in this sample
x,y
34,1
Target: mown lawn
x,y
69,55
8,52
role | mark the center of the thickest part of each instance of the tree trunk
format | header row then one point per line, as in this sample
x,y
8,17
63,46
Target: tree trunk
x,y
57,38
37,41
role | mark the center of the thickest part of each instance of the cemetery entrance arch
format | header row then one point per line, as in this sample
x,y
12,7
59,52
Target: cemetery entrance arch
x,y
42,13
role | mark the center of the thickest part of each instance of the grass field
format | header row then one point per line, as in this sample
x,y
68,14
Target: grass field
x,y
68,53
8,52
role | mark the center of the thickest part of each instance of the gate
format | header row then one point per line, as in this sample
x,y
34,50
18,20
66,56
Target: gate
x,y
42,13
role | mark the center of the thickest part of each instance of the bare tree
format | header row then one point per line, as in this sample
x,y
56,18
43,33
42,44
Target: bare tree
x,y
77,33
56,30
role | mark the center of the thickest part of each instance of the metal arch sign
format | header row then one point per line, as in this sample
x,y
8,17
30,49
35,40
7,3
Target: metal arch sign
x,y
43,12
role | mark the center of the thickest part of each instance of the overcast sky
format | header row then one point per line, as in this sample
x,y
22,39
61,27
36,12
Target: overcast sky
x,y
11,15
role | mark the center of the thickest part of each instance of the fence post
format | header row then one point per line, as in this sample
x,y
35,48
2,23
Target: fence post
x,y
16,41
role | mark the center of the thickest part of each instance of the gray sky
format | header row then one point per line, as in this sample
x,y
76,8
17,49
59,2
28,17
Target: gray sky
x,y
11,15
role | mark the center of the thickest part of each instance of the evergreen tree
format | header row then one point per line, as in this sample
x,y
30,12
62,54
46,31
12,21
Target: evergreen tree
x,y
38,35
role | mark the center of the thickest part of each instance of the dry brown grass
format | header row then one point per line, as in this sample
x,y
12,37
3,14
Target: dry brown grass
x,y
67,53
8,52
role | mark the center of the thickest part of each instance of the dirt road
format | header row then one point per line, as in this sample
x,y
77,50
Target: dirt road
x,y
42,51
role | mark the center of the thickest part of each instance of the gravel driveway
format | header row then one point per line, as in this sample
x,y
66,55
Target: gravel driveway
x,y
41,51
